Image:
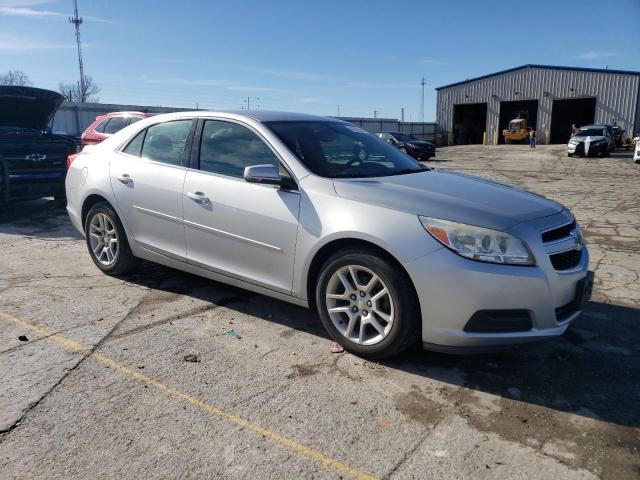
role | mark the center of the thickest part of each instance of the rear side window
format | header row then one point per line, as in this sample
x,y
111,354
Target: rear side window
x,y
134,120
115,124
135,145
100,127
165,142
227,148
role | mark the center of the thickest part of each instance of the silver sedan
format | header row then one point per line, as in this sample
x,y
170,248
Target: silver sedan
x,y
318,212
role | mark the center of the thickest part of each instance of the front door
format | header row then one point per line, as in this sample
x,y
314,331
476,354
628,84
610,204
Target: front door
x,y
237,228
147,179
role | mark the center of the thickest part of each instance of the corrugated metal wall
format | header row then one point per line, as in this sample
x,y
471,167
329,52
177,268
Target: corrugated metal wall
x,y
73,118
617,96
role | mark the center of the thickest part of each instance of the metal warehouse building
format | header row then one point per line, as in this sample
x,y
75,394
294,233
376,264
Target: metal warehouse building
x,y
550,98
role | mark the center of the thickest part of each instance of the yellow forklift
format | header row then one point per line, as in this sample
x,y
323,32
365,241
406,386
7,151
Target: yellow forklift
x,y
517,131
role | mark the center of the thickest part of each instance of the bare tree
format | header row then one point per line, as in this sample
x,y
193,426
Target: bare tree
x,y
15,77
75,93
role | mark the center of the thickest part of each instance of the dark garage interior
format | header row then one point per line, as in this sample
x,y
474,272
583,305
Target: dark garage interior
x,y
469,123
564,113
527,109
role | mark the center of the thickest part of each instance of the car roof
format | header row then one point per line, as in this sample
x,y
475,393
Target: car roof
x,y
390,132
255,115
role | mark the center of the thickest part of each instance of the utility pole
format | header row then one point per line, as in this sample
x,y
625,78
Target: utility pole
x,y
247,101
77,21
422,84
375,114
402,114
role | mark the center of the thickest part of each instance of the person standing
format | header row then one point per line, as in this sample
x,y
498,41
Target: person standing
x,y
574,129
532,138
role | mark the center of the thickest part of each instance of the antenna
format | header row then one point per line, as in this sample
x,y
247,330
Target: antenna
x,y
422,84
77,21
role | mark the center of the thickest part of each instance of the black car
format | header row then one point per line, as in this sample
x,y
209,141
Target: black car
x,y
416,148
33,161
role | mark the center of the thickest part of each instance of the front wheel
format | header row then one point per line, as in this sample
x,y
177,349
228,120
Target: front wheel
x,y
569,154
106,240
366,304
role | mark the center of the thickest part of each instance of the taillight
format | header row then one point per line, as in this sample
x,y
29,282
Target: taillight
x,y
70,159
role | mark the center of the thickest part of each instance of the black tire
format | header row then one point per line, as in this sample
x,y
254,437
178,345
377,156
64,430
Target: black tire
x,y
569,154
405,328
124,261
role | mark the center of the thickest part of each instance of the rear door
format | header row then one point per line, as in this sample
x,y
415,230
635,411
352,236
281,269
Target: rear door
x,y
147,178
241,229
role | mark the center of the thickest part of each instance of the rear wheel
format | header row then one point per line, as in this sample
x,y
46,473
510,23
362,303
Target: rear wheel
x,y
366,304
569,154
106,240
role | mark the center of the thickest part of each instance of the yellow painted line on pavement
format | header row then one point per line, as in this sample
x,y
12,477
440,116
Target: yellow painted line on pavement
x,y
202,405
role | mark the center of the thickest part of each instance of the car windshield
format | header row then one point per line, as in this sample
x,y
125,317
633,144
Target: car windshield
x,y
590,132
341,150
403,137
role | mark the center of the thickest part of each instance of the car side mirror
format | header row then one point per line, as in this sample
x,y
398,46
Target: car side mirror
x,y
265,174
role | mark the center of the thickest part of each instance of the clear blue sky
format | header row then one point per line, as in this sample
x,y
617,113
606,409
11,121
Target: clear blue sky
x,y
308,56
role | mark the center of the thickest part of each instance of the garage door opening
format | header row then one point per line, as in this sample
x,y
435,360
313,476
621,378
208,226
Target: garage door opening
x,y
527,109
469,123
564,113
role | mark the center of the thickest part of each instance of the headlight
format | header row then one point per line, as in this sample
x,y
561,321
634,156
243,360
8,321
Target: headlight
x,y
573,142
479,243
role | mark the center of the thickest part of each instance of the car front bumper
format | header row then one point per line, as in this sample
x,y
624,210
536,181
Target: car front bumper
x,y
594,149
452,289
25,186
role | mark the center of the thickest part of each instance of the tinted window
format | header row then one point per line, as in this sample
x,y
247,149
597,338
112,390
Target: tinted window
x,y
165,142
135,145
337,149
227,148
134,120
100,127
115,124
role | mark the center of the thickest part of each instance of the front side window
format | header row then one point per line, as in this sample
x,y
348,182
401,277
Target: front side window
x,y
227,148
115,125
165,142
341,150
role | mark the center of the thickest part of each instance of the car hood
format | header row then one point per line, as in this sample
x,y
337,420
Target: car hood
x,y
420,144
594,138
450,196
27,107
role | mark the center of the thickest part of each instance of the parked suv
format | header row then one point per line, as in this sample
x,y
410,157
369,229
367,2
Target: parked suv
x,y
108,124
590,140
408,144
32,159
319,212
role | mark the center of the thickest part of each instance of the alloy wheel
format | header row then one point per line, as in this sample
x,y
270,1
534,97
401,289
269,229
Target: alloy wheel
x,y
360,304
103,238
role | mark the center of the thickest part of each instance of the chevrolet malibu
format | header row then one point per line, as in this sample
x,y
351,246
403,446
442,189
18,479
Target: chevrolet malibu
x,y
320,213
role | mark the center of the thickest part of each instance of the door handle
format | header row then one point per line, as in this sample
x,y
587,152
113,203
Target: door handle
x,y
198,197
124,178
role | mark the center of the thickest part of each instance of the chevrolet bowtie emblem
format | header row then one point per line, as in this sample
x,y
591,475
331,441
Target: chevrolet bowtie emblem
x,y
35,157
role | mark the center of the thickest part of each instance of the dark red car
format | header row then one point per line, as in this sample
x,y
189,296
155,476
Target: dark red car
x,y
108,124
